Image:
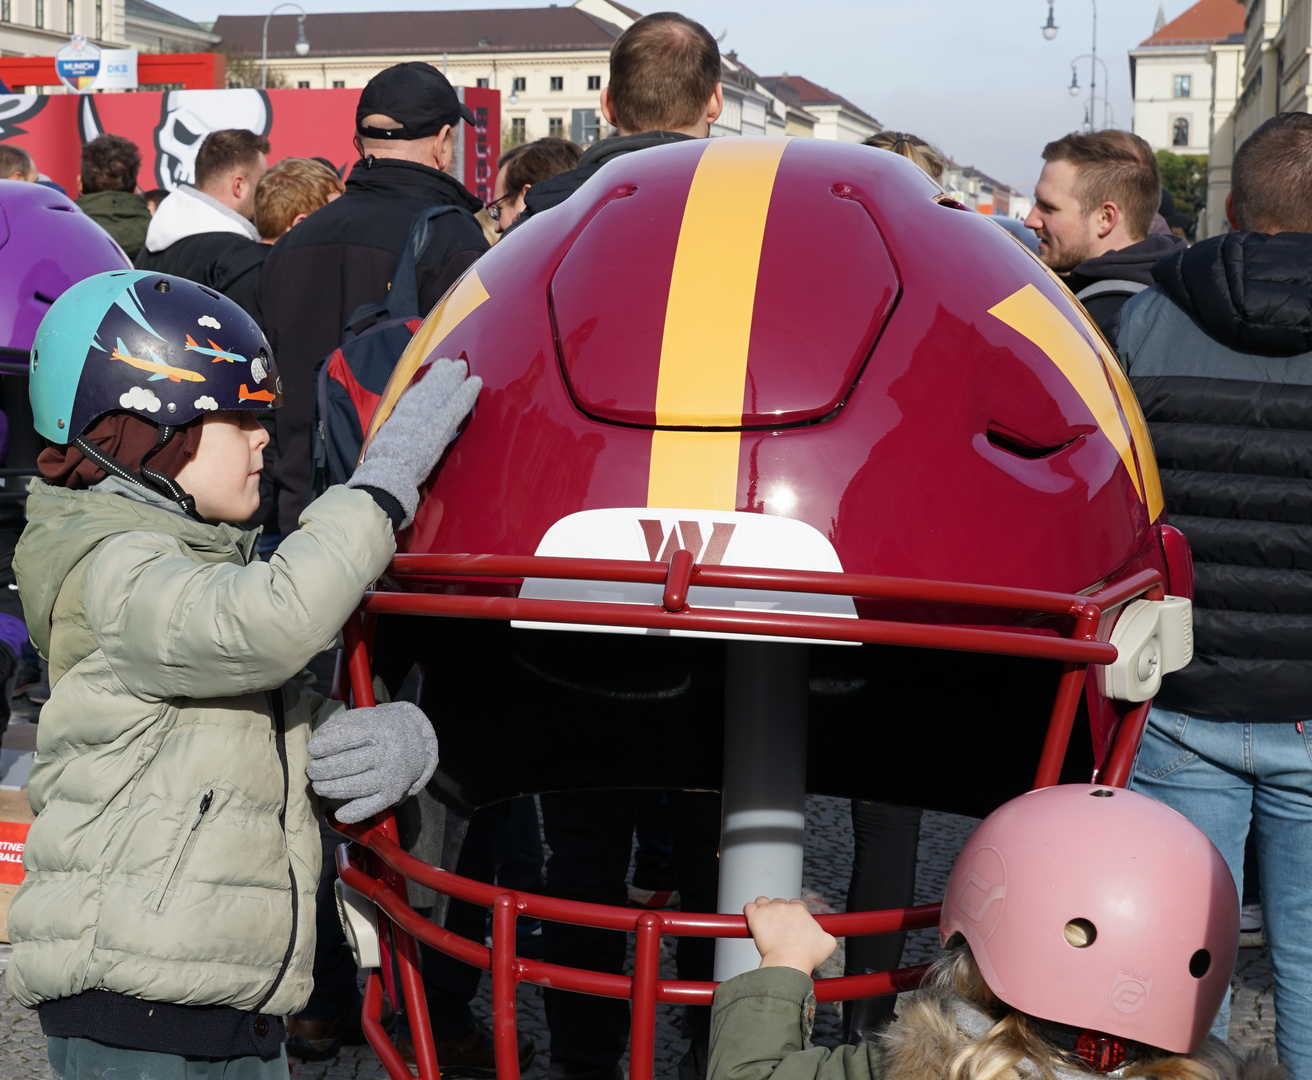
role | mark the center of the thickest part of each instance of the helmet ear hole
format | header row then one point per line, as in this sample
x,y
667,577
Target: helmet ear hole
x,y
1199,963
1080,933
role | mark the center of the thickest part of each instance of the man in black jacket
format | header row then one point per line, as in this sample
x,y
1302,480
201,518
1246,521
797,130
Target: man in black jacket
x,y
343,255
664,88
195,225
1093,206
1220,355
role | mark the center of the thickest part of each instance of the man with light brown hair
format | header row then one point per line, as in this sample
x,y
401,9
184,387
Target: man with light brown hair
x,y
194,225
1093,206
664,88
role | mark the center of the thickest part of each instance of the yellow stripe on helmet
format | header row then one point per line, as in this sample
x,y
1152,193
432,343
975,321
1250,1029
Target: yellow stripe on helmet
x,y
708,324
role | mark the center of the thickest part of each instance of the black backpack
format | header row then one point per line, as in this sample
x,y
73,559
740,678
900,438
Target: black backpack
x,y
350,380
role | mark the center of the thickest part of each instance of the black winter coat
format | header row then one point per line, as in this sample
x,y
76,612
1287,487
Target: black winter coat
x,y
1220,355
340,257
555,191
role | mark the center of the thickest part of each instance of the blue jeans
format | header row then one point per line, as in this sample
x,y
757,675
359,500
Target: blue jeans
x,y
1224,775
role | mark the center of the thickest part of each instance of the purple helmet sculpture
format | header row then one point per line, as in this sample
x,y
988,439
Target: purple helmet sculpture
x,y
46,245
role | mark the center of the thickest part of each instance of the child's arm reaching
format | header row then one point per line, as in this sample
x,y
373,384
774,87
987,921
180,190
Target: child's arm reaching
x,y
762,1020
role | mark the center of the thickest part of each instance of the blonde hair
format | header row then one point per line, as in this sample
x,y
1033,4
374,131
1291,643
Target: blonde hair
x,y
912,147
926,1027
293,187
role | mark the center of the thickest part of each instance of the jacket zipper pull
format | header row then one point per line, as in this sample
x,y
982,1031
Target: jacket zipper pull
x,y
204,805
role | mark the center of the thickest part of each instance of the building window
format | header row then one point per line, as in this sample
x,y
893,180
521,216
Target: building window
x,y
594,82
100,18
40,21
339,84
482,84
1182,85
70,21
304,84
558,83
521,83
518,130
556,127
1180,132
6,15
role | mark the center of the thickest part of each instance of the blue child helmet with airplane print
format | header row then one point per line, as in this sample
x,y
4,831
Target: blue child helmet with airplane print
x,y
159,347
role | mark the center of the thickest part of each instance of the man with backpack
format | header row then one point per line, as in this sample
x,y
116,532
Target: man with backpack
x,y
1093,206
344,255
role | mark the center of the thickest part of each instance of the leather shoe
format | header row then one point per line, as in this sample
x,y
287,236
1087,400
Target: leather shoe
x,y
318,1040
472,1054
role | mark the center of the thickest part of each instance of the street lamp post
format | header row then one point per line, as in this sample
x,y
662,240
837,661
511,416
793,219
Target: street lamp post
x,y
302,42
1050,32
1074,89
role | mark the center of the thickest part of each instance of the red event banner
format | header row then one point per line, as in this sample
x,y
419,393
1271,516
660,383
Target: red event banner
x,y
13,835
170,125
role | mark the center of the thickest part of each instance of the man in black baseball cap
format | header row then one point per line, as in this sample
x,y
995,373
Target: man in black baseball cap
x,y
415,96
344,254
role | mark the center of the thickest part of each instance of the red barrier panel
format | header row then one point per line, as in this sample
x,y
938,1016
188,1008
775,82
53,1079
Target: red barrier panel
x,y
195,71
169,126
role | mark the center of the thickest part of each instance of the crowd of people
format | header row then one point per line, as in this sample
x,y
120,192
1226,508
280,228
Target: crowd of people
x,y
130,558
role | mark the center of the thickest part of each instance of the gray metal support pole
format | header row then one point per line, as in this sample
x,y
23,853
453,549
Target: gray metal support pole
x,y
764,821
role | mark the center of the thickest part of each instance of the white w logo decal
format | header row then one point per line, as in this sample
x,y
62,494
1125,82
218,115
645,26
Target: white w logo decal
x,y
686,535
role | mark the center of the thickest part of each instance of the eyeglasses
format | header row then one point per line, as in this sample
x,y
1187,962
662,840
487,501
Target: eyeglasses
x,y
494,209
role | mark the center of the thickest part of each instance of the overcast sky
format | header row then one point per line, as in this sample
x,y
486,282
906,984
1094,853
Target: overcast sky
x,y
979,80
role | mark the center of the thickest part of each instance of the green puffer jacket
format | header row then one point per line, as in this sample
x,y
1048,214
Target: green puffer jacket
x,y
175,853
122,214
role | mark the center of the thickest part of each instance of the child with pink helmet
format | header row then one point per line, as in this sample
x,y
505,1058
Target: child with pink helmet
x,y
1089,929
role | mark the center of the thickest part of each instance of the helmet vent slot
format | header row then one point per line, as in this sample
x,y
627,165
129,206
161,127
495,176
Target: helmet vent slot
x,y
1102,793
1199,963
1012,445
162,286
1081,933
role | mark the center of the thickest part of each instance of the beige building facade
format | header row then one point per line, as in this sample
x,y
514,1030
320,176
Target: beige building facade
x,y
43,27
1172,75
550,64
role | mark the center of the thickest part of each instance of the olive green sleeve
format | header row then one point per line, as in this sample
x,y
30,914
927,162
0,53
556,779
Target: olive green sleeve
x,y
171,626
761,1028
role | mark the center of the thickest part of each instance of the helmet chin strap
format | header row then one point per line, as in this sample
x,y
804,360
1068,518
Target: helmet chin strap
x,y
148,478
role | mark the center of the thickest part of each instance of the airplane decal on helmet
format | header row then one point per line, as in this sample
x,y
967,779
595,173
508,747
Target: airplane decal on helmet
x,y
215,351
157,367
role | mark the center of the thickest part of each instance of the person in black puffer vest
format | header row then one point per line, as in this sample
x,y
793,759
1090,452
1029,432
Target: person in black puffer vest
x,y
1220,355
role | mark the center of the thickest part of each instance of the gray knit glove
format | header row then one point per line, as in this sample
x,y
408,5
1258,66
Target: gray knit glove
x,y
406,448
375,757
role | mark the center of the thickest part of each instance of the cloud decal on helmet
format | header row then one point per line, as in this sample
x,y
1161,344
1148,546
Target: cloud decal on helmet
x,y
205,402
139,398
210,321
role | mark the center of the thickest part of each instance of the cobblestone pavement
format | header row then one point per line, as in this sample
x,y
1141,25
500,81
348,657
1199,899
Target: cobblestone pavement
x,y
829,853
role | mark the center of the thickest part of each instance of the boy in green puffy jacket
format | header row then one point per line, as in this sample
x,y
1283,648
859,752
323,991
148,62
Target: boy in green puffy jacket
x,y
166,920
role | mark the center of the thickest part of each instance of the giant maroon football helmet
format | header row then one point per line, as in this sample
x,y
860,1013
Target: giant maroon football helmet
x,y
777,388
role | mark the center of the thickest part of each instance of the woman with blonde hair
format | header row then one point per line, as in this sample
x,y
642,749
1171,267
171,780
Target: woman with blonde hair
x,y
1090,931
912,147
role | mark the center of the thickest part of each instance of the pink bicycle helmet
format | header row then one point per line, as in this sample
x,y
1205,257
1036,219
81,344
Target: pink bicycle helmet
x,y
1099,909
